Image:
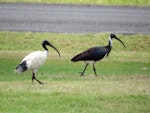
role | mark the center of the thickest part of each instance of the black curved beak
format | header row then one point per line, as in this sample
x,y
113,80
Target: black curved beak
x,y
119,41
55,49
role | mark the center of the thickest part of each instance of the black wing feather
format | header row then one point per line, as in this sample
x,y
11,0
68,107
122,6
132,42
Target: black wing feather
x,y
94,54
22,67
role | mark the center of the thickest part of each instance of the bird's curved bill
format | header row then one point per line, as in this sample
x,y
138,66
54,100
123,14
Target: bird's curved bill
x,y
120,41
55,49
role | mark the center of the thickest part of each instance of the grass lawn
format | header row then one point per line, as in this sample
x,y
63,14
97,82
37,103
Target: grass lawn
x,y
92,2
122,85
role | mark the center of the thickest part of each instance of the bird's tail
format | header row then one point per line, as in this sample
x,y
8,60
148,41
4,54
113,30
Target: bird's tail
x,y
76,58
21,67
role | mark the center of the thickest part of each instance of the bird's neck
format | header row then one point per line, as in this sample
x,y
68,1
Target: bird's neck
x,y
108,49
109,46
46,52
110,42
44,46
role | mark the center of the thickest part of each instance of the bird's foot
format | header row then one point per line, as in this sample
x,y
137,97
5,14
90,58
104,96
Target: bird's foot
x,y
95,75
41,83
81,73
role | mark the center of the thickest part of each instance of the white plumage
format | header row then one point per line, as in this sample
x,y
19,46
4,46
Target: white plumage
x,y
35,60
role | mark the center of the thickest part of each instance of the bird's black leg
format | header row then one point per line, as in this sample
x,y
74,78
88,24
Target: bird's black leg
x,y
94,69
84,69
33,77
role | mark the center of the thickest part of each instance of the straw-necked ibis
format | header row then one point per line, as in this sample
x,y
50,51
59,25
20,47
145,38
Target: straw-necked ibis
x,y
35,60
95,54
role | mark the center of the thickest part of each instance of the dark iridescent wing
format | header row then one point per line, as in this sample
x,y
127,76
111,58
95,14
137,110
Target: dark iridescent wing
x,y
94,54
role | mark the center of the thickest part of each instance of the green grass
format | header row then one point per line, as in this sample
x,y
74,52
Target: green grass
x,y
122,85
94,2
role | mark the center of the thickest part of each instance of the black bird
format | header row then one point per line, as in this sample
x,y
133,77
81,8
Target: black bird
x,y
95,54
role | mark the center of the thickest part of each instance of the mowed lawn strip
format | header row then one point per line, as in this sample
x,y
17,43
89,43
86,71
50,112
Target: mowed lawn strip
x,y
91,2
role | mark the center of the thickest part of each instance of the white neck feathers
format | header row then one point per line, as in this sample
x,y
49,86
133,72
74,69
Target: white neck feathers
x,y
110,41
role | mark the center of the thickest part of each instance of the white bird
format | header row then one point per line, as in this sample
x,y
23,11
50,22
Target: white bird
x,y
35,60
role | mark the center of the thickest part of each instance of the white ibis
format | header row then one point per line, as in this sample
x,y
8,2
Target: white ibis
x,y
35,60
95,54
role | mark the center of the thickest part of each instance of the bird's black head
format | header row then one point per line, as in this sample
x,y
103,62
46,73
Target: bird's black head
x,y
45,42
114,36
